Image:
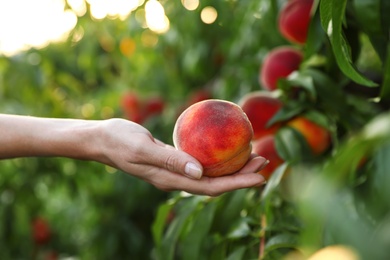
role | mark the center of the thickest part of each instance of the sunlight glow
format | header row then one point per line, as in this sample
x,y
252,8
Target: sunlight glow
x,y
190,4
155,16
78,6
36,24
101,9
209,15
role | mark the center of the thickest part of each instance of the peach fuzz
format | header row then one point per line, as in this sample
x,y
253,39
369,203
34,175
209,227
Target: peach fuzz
x,y
294,20
217,133
265,147
279,63
318,138
260,107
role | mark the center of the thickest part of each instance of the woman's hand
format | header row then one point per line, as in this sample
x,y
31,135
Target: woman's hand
x,y
122,144
131,148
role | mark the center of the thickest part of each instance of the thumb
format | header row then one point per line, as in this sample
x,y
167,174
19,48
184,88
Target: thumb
x,y
177,161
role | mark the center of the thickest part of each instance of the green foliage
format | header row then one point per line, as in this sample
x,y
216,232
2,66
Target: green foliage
x,y
96,212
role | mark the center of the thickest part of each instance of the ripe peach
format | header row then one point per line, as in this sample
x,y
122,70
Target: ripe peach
x,y
318,138
265,147
335,252
294,20
279,63
260,107
131,106
217,133
41,231
139,110
154,106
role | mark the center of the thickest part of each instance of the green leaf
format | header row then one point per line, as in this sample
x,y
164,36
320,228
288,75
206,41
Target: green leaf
x,y
285,240
380,179
274,181
167,248
385,88
288,111
230,206
326,14
291,145
237,254
318,118
301,80
315,37
367,13
194,239
160,222
332,16
239,229
385,10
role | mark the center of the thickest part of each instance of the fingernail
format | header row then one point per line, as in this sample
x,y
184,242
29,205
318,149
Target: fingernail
x,y
262,183
193,170
265,164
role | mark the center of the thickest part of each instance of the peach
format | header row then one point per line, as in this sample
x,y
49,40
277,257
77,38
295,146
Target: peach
x,y
131,106
265,147
318,137
41,231
154,106
341,252
139,110
294,20
260,107
279,63
217,133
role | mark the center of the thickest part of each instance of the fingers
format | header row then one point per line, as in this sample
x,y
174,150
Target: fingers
x,y
211,186
171,169
169,181
256,164
173,160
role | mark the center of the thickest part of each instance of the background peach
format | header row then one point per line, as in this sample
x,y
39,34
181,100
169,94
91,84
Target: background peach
x,y
265,147
294,20
279,63
260,107
317,137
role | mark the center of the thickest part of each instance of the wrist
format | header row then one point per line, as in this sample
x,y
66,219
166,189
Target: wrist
x,y
77,139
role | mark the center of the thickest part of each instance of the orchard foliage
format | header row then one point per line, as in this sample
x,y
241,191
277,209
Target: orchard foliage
x,y
113,68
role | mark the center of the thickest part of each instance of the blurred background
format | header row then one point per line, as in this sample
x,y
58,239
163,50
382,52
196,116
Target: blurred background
x,y
146,61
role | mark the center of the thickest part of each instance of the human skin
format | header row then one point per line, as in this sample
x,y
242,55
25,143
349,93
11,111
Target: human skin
x,y
121,144
265,146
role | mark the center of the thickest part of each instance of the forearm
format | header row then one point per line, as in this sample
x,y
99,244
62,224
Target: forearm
x,y
22,136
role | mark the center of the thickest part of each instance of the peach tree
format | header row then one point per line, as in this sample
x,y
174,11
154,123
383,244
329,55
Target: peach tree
x,y
327,136
330,186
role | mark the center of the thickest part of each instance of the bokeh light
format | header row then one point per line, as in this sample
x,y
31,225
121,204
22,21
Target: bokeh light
x,y
35,25
155,16
190,4
149,39
127,46
101,9
38,23
78,6
208,15
88,110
